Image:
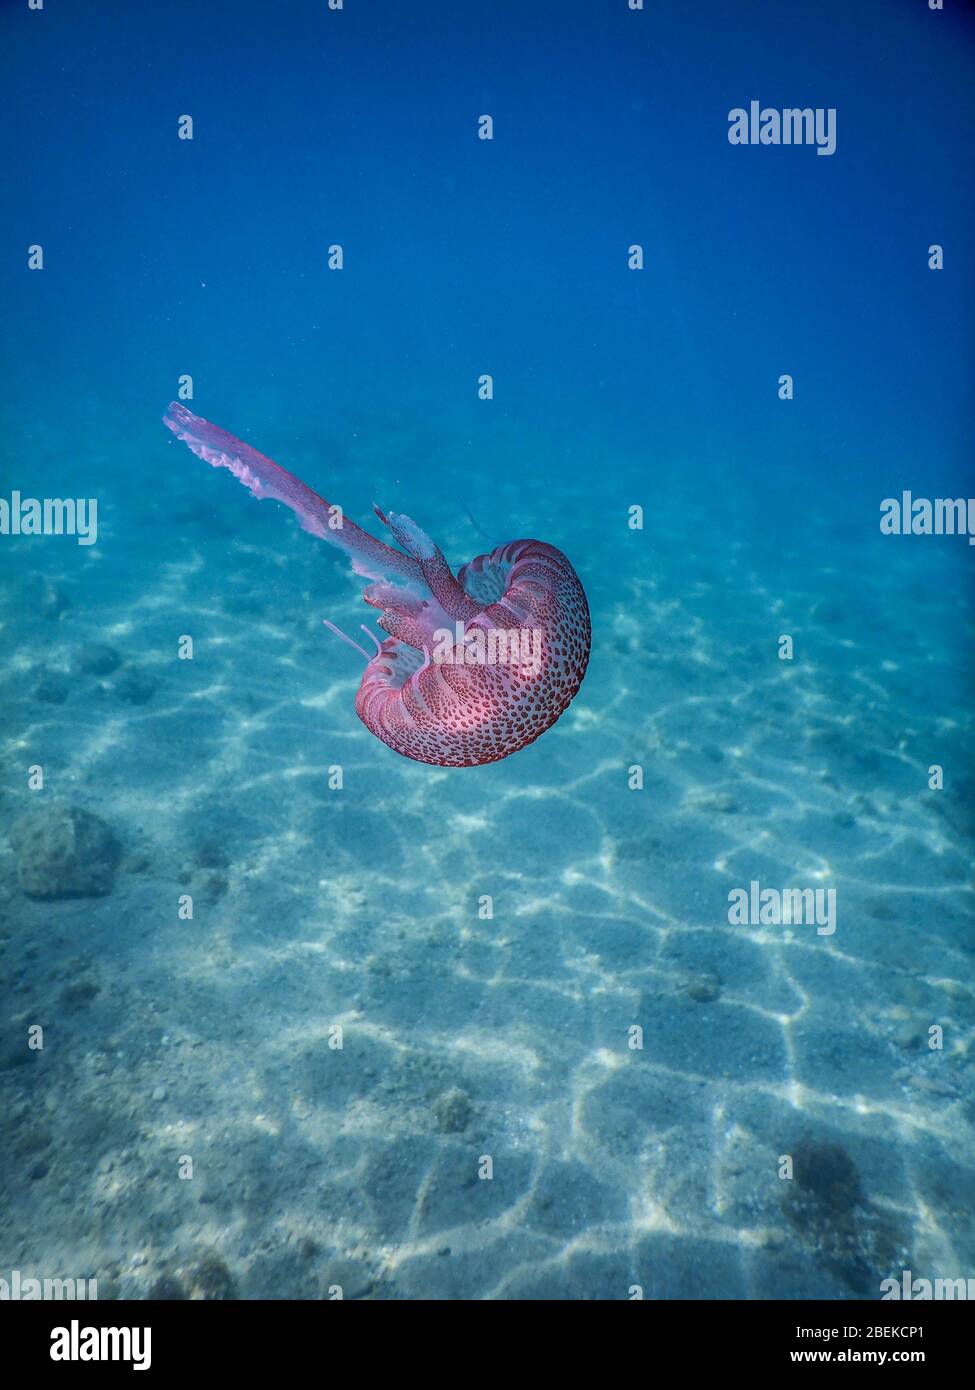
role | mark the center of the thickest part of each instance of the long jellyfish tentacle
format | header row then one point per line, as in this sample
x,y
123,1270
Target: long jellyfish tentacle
x,y
339,633
369,633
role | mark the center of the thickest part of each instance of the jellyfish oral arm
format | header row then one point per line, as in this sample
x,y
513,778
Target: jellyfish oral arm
x,y
264,478
434,568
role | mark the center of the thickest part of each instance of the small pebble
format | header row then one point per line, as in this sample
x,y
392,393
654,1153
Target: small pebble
x,y
704,988
97,659
907,1034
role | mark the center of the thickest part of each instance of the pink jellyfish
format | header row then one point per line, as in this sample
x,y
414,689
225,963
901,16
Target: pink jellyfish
x,y
474,667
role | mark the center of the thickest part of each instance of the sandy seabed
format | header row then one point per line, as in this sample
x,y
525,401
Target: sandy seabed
x,y
210,1043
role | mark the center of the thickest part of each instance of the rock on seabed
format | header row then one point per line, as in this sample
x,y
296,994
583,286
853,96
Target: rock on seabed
x,y
64,852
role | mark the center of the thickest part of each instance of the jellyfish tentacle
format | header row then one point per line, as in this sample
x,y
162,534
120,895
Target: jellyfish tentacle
x,y
345,638
369,633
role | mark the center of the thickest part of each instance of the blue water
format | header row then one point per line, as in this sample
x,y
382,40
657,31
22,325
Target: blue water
x,y
508,1037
